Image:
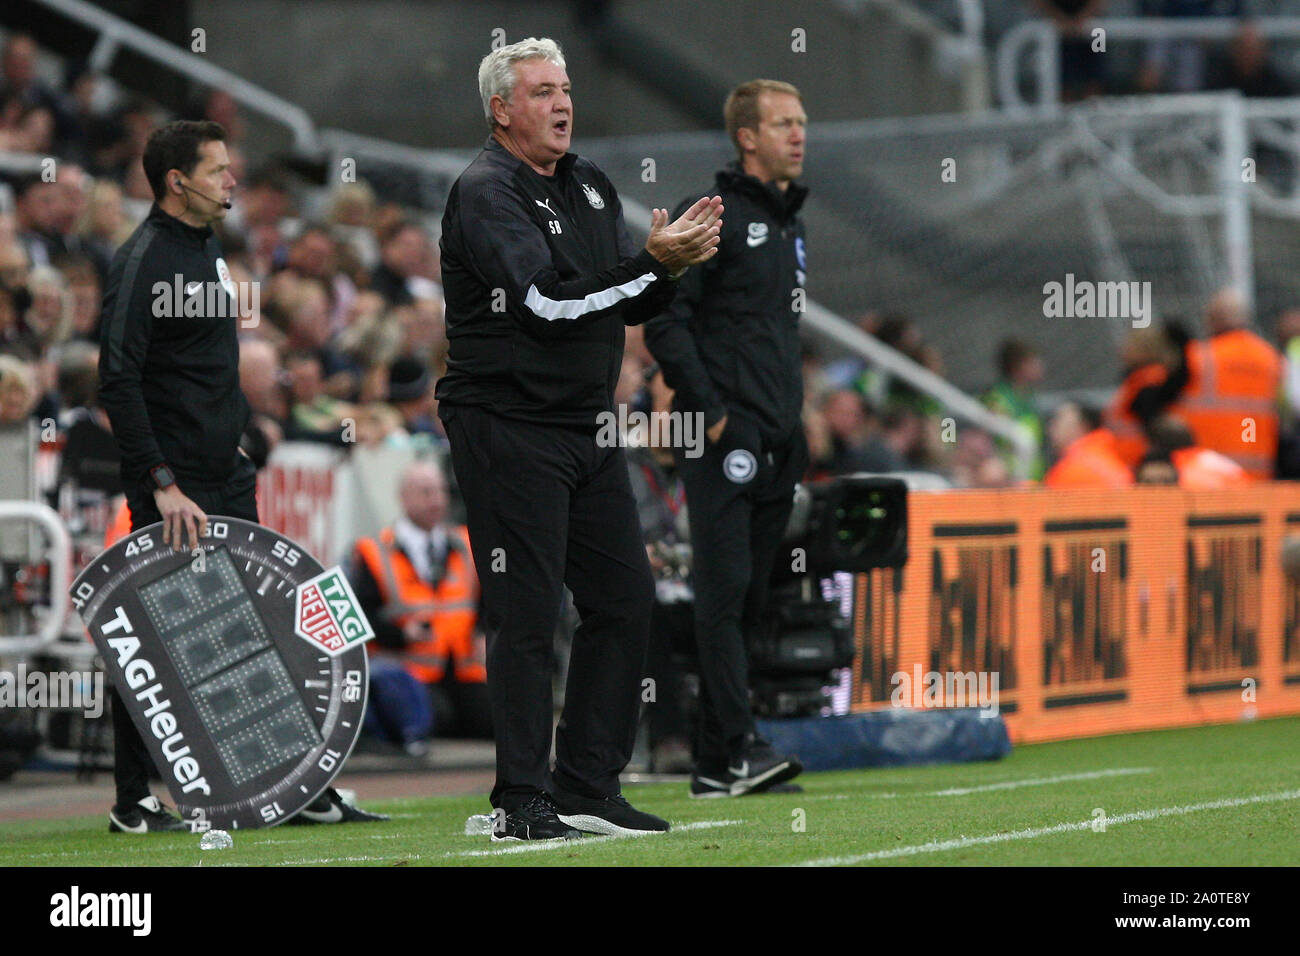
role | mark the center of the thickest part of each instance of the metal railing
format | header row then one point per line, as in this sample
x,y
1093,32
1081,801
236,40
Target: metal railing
x,y
955,53
1039,40
115,33
60,559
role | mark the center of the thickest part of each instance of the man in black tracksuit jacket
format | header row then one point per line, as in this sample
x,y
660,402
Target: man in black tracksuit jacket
x,y
169,381
540,277
729,346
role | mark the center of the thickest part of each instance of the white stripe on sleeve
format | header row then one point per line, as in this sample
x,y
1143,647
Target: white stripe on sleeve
x,y
552,309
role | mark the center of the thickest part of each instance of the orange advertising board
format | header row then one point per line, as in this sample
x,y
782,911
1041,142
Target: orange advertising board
x,y
1098,611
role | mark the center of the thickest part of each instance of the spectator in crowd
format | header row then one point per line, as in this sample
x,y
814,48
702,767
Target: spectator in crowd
x,y
1247,67
416,583
84,293
976,463
1198,469
119,157
1086,456
1180,65
410,391
104,225
1288,340
1155,372
49,317
21,87
26,129
856,443
261,215
15,298
403,252
1234,380
1020,372
1156,469
313,254
38,213
18,392
1083,72
263,382
314,415
351,221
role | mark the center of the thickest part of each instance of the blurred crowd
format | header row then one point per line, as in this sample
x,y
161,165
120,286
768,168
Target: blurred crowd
x,y
342,342
1167,65
345,339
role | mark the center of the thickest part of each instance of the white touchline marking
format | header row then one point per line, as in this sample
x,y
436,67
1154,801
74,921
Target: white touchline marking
x,y
961,843
1039,781
348,859
983,788
588,840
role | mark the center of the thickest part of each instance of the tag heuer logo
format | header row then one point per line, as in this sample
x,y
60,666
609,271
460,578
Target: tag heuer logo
x,y
327,615
593,197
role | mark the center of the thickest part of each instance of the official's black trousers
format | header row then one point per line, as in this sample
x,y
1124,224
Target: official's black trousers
x,y
236,499
547,507
739,494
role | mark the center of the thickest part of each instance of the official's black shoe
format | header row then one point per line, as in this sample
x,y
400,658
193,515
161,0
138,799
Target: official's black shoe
x,y
535,820
609,816
147,816
330,807
706,786
756,767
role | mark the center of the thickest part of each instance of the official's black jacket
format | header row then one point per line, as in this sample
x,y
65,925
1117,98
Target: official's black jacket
x,y
170,381
540,276
729,342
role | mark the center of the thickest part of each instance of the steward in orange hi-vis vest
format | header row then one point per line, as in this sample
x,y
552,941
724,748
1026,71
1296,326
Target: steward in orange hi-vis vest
x,y
1122,422
448,610
1231,398
1090,462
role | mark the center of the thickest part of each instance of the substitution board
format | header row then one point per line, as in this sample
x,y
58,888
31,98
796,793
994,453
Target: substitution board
x,y
243,665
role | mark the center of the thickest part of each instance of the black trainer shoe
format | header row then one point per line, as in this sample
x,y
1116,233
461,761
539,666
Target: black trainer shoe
x,y
147,816
609,816
535,820
757,767
706,786
330,807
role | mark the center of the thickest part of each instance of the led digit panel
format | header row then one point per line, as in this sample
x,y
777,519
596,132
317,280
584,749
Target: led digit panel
x,y
247,720
214,637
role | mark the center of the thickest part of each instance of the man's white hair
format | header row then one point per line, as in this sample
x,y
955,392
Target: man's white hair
x,y
496,71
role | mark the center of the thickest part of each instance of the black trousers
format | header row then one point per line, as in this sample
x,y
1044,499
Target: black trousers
x,y
739,494
547,507
236,499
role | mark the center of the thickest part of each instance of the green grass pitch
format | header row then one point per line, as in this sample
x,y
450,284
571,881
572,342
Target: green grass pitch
x,y
1223,795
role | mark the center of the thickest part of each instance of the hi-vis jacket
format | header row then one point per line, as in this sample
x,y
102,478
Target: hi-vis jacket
x,y
392,594
1231,398
540,276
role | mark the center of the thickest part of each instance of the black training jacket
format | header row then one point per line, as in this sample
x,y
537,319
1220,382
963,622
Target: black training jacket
x,y
170,381
729,342
540,276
